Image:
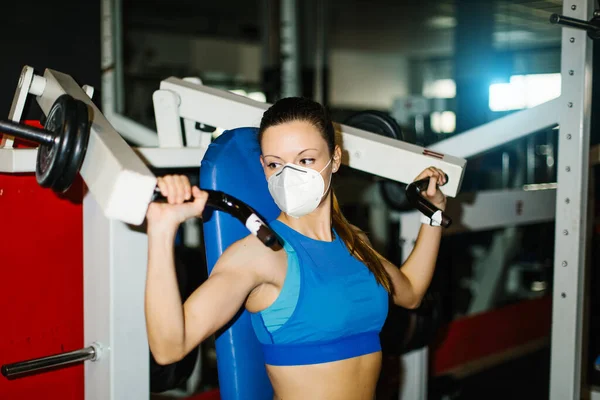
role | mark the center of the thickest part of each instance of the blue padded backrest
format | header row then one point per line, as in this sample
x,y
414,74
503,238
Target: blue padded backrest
x,y
232,165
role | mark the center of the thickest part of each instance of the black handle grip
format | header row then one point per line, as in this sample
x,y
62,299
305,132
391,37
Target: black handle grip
x,y
238,209
592,27
572,22
414,197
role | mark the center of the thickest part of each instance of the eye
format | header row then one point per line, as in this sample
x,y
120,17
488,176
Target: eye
x,y
307,161
272,165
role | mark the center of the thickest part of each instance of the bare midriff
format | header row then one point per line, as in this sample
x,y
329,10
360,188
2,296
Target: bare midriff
x,y
350,379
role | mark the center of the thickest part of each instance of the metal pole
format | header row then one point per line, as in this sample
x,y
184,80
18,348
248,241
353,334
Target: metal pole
x,y
270,16
42,364
290,54
571,236
119,83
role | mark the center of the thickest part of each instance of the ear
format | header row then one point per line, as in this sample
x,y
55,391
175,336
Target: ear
x,y
337,158
262,161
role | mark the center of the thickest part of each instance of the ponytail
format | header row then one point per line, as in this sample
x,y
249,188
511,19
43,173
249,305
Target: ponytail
x,y
358,247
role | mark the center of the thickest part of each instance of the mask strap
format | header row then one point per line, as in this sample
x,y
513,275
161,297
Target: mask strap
x,y
330,177
326,165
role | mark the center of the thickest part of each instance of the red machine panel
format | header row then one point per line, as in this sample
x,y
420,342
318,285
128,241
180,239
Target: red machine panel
x,y
41,285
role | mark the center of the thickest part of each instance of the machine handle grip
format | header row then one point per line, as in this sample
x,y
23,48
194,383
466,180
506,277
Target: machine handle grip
x,y
43,364
414,197
238,209
573,23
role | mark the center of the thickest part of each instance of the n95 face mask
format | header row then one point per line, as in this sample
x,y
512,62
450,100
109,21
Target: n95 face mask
x,y
297,190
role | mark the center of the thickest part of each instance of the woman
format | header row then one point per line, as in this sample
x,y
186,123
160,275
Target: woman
x,y
317,306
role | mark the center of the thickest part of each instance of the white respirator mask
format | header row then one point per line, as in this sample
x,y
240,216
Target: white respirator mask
x,y
297,190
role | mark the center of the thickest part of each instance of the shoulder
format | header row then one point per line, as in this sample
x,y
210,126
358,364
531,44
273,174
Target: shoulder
x,y
250,256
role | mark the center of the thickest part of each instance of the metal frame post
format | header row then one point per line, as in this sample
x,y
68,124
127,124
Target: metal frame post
x,y
114,261
113,97
290,52
571,237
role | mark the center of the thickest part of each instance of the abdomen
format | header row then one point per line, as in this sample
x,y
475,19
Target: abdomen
x,y
351,379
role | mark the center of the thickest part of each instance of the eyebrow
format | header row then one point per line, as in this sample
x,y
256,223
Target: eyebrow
x,y
270,155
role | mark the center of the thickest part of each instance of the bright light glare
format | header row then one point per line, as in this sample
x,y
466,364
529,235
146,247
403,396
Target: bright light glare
x,y
524,91
258,96
240,92
443,122
440,89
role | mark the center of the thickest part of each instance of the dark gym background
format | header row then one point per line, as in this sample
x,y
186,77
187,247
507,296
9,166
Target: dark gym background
x,y
64,36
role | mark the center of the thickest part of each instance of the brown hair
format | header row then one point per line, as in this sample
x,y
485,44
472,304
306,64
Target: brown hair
x,y
302,109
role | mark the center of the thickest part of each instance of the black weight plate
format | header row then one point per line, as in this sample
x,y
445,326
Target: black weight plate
x,y
376,122
51,159
393,193
78,150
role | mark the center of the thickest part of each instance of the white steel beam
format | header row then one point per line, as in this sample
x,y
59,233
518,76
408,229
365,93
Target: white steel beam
x,y
491,209
114,263
571,235
17,160
364,151
159,157
501,131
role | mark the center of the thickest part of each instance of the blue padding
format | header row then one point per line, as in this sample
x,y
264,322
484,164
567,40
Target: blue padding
x,y
232,165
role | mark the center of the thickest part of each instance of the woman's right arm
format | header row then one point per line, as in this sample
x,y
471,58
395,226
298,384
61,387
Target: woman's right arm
x,y
173,328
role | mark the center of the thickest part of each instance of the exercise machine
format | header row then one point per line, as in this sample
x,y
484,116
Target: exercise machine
x,y
121,185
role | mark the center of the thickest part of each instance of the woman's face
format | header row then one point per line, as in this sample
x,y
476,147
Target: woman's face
x,y
300,143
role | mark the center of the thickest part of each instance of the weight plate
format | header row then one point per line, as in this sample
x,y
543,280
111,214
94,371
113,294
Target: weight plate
x,y
393,193
78,149
51,159
376,122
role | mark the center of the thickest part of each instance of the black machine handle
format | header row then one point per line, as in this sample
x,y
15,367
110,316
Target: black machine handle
x,y
43,364
592,27
240,210
414,197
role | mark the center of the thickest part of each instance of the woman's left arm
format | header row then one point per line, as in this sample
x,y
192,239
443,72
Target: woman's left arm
x,y
412,279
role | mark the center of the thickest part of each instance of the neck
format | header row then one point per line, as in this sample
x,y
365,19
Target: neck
x,y
316,225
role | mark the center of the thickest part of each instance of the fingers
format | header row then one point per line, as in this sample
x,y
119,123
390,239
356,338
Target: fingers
x,y
176,188
436,176
200,198
194,208
432,187
184,190
162,186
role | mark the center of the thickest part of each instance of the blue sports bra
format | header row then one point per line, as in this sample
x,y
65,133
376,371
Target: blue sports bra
x,y
329,308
